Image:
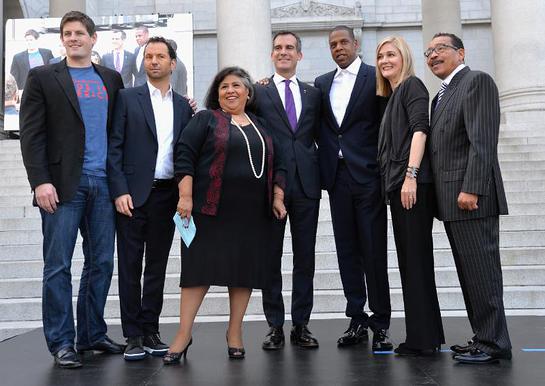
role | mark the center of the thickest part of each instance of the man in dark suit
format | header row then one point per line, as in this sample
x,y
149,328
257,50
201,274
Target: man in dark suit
x,y
30,58
142,35
292,111
147,121
347,147
465,123
65,115
120,59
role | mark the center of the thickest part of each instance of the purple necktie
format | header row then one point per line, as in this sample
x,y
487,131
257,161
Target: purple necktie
x,y
290,106
117,62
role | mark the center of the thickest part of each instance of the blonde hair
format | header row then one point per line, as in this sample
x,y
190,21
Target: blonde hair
x,y
407,69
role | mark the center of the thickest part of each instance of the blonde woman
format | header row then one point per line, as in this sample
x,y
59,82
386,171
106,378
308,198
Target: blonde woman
x,y
408,188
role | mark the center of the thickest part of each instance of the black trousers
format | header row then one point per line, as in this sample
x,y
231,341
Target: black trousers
x,y
150,228
303,217
414,245
475,247
359,221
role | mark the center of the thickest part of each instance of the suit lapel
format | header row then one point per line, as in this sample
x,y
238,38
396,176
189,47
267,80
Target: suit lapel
x,y
304,103
144,98
65,80
448,94
361,78
328,83
177,129
272,93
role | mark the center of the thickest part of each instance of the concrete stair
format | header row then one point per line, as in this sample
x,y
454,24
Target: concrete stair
x,y
522,239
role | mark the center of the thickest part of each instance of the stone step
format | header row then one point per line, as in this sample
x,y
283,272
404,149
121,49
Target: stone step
x,y
13,171
507,223
522,156
506,133
10,156
324,243
323,280
535,148
517,175
32,269
522,140
522,165
325,301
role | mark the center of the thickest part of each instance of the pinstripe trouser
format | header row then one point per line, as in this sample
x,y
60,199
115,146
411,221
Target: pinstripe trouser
x,y
475,247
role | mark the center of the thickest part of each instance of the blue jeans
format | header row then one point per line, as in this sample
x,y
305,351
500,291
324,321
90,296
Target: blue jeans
x,y
92,212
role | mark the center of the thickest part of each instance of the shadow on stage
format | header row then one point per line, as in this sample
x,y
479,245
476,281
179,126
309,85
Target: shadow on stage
x,y
25,361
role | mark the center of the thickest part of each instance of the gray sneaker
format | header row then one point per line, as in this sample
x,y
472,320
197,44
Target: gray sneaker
x,y
134,350
154,346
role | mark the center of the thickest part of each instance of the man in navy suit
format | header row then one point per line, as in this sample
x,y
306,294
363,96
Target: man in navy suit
x,y
141,35
147,122
292,111
120,59
347,150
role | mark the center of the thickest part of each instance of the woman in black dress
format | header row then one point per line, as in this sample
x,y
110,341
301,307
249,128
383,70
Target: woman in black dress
x,y
407,182
231,185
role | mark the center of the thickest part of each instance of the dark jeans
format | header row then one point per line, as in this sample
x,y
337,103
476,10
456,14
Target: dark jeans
x,y
92,212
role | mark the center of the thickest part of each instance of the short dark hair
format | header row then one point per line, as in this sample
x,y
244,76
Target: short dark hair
x,y
455,40
298,45
82,18
344,28
32,33
160,39
142,28
120,31
212,96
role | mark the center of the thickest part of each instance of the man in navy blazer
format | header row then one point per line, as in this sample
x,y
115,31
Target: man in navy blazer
x,y
141,35
147,122
347,147
31,57
286,97
120,59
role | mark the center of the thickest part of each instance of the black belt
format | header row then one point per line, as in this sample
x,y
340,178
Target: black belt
x,y
163,184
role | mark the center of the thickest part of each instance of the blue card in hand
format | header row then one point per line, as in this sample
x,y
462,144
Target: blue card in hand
x,y
186,228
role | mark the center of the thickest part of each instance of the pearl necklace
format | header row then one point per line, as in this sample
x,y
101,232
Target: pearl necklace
x,y
248,146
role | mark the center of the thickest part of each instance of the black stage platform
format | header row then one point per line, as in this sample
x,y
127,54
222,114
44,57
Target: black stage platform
x,y
24,361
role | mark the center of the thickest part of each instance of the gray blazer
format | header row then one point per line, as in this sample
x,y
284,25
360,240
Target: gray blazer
x,y
464,147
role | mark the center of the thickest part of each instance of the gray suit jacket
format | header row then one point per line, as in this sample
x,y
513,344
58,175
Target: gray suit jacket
x,y
464,147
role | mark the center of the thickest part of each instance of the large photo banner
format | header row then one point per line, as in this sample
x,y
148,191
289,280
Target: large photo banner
x,y
120,46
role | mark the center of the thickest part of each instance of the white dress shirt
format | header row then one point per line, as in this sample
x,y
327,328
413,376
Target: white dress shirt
x,y
341,90
294,87
448,79
163,111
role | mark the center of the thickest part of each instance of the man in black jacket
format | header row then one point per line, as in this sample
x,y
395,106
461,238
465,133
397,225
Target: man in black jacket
x,y
147,121
292,111
64,119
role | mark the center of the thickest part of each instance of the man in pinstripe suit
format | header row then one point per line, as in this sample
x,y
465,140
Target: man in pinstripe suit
x,y
465,122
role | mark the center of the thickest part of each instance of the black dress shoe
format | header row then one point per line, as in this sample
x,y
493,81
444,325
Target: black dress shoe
x,y
404,350
461,349
67,358
274,339
478,357
381,342
355,334
302,337
105,345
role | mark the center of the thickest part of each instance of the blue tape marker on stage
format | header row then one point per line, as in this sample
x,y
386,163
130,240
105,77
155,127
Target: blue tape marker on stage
x,y
533,349
383,352
445,350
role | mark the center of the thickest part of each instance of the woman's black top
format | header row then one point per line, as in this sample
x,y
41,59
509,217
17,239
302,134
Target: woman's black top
x,y
406,113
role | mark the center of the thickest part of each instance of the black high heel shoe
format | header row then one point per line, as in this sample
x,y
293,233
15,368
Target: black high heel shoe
x,y
234,352
172,358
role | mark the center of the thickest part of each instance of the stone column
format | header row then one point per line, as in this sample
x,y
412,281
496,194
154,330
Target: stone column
x,y
244,35
57,8
519,48
438,16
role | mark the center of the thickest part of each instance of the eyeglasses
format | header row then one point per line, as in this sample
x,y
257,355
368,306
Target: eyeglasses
x,y
439,49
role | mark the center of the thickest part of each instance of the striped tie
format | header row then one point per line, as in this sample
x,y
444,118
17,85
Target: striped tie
x,y
441,92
